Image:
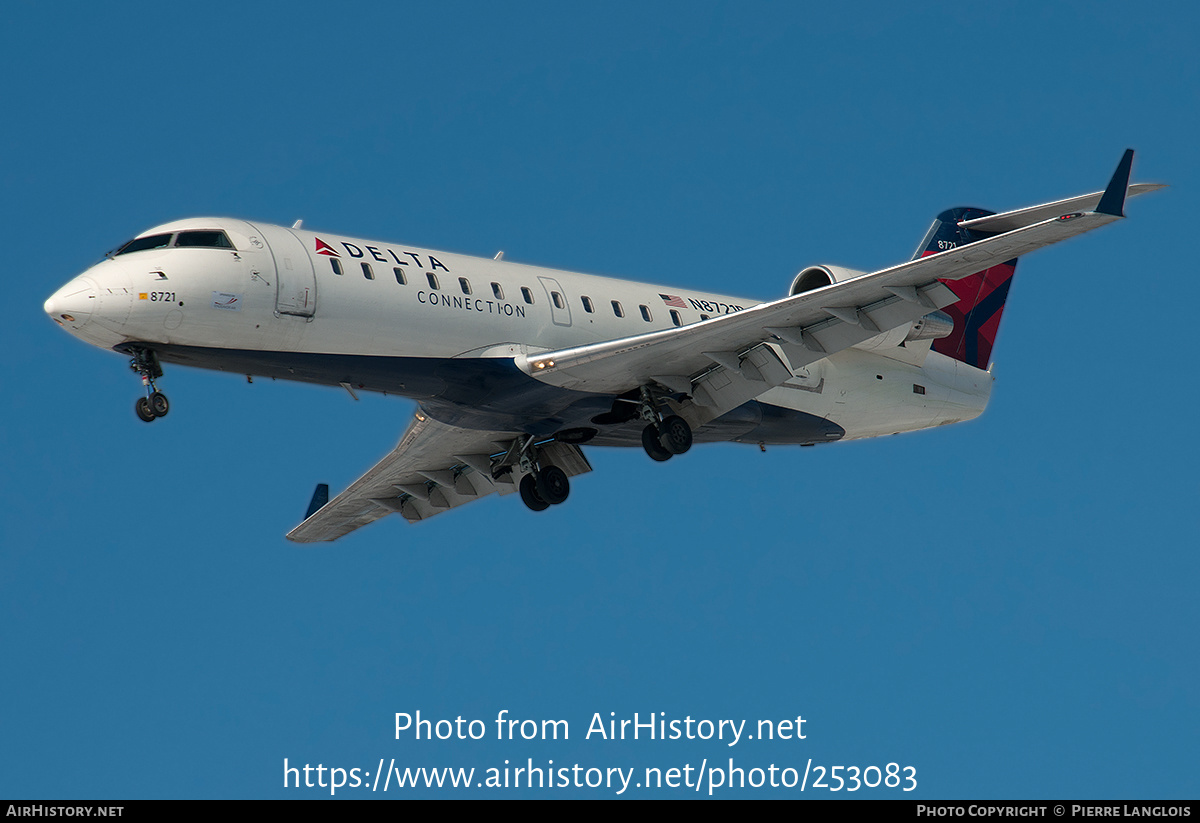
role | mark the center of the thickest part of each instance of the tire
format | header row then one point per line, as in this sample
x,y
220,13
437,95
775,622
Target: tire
x,y
529,494
552,485
652,445
142,407
676,435
159,404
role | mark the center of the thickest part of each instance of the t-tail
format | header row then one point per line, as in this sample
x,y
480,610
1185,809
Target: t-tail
x,y
981,296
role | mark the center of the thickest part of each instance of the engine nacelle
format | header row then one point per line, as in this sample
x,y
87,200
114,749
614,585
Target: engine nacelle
x,y
935,325
815,277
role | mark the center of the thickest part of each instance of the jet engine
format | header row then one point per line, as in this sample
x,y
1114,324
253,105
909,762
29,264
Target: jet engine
x,y
932,326
814,277
935,325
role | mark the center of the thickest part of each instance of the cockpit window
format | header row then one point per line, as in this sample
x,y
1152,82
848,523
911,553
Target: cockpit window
x,y
154,241
206,239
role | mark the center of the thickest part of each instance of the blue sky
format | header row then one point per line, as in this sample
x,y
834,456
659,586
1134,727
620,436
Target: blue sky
x,y
1008,605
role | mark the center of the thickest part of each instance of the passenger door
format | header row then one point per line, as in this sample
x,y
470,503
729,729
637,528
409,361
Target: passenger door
x,y
296,283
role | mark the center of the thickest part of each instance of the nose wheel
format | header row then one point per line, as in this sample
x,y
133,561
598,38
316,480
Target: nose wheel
x,y
153,406
155,403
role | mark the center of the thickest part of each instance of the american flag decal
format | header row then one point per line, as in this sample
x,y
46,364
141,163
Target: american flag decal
x,y
672,300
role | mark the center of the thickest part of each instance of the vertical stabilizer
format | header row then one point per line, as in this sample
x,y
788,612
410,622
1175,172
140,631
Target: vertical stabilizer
x,y
981,296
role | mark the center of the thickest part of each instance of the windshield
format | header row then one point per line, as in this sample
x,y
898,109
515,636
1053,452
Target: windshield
x,y
154,241
208,239
199,239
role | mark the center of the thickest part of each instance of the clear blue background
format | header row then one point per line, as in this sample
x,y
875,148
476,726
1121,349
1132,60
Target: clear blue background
x,y
1007,605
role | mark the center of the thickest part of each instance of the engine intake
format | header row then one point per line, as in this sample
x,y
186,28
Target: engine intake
x,y
816,277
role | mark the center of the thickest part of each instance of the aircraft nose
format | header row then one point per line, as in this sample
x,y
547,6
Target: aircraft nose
x,y
73,304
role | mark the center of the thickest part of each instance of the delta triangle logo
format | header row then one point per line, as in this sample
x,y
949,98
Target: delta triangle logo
x,y
325,249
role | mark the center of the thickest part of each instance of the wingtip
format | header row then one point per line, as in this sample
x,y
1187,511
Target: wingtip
x,y
319,499
1113,200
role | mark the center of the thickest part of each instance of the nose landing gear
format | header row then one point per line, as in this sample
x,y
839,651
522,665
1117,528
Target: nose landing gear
x,y
155,403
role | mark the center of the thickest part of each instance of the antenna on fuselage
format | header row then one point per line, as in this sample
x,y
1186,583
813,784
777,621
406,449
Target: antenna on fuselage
x,y
499,256
298,223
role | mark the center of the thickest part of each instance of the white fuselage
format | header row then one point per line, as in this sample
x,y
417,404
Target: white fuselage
x,y
444,328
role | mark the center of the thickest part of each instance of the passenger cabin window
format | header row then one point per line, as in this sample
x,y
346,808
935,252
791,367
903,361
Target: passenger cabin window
x,y
587,305
675,318
558,300
464,285
400,278
645,313
154,241
497,291
203,239
433,281
527,294
367,273
617,310
336,265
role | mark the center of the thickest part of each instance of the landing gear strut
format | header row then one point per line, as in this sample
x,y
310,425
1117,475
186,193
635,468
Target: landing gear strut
x,y
155,403
663,437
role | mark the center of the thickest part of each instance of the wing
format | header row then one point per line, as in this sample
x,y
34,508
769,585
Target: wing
x,y
727,360
434,468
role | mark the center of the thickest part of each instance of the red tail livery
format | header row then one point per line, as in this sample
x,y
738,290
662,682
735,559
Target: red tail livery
x,y
977,313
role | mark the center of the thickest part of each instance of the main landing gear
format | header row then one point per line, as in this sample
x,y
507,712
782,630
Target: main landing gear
x,y
543,485
548,487
155,403
663,437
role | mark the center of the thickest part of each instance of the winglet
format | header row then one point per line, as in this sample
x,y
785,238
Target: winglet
x,y
1113,200
319,499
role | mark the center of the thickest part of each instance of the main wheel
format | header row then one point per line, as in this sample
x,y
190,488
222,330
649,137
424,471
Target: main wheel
x,y
529,494
552,485
143,409
159,404
676,434
652,444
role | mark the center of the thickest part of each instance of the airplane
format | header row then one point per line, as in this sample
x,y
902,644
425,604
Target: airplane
x,y
514,368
